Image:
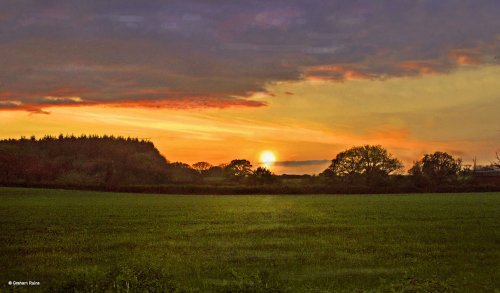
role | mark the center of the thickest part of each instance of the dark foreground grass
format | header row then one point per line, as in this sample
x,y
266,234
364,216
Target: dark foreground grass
x,y
89,241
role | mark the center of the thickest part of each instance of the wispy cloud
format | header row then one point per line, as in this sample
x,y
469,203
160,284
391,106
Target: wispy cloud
x,y
301,163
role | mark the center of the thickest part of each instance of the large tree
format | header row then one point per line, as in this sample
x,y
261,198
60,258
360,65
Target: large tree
x,y
201,167
437,167
238,169
368,162
262,175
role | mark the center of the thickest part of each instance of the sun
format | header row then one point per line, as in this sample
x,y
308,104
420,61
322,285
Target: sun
x,y
267,158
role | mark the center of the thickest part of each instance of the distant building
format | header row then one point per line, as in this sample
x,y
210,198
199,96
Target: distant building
x,y
488,175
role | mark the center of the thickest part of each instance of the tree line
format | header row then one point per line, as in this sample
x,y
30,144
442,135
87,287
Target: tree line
x,y
131,164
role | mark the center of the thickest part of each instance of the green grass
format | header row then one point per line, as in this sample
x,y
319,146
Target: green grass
x,y
92,241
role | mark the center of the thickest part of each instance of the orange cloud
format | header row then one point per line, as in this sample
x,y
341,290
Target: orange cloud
x,y
463,58
420,67
151,98
334,73
193,103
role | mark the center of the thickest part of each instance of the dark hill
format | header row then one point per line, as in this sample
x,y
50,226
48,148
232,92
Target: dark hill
x,y
82,161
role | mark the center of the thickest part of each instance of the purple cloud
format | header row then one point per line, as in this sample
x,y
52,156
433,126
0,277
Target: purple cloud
x,y
216,54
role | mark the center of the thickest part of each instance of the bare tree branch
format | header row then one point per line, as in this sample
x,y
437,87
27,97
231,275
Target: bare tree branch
x,y
498,158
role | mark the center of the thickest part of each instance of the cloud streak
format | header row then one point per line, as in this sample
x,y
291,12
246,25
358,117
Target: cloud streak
x,y
301,163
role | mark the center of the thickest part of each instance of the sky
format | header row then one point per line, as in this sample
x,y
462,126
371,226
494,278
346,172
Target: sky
x,y
221,80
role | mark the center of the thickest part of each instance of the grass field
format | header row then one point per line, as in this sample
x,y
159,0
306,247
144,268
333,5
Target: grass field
x,y
91,241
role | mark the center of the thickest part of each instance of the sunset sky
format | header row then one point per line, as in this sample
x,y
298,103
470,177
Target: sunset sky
x,y
220,80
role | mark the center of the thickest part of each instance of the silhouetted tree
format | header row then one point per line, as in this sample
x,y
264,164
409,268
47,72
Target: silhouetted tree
x,y
438,167
328,174
262,175
238,169
416,169
8,161
215,171
83,160
363,162
182,172
201,167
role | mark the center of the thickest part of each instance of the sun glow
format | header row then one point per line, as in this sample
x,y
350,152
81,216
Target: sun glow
x,y
267,158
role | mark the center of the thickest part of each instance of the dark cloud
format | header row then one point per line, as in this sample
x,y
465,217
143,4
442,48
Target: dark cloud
x,y
195,53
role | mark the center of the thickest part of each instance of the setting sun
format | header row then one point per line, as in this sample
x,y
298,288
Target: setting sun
x,y
267,158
